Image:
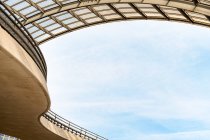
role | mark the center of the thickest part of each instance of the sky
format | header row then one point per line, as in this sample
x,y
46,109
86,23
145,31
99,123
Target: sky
x,y
136,80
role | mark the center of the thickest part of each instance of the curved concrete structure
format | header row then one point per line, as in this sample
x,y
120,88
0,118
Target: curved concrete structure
x,y
24,98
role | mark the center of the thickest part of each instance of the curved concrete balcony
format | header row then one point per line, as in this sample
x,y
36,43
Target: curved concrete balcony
x,y
23,96
24,99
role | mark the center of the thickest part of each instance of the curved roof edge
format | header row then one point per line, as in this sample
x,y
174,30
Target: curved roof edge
x,y
45,20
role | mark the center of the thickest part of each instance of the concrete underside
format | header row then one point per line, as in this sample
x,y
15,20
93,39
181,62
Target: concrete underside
x,y
23,94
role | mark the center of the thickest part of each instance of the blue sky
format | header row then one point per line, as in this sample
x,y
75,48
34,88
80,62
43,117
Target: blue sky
x,y
139,80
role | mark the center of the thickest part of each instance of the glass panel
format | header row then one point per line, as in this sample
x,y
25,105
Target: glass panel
x,y
127,10
169,10
123,5
64,16
28,10
102,7
12,2
59,30
71,20
45,3
42,20
21,6
200,20
132,15
43,37
81,11
177,16
148,10
40,32
154,15
47,23
54,26
75,25
93,20
107,12
33,29
193,14
109,17
88,16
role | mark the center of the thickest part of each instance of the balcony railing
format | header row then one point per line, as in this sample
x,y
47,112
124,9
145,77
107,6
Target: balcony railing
x,y
71,127
5,137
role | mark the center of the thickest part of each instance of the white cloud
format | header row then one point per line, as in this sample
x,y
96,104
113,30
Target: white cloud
x,y
197,135
148,72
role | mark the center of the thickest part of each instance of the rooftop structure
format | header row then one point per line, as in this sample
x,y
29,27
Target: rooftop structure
x,y
47,19
33,22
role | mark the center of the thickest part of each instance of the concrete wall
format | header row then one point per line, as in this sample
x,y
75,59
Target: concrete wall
x,y
59,131
23,93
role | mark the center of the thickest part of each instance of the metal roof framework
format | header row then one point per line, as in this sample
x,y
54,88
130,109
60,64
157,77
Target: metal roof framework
x,y
47,19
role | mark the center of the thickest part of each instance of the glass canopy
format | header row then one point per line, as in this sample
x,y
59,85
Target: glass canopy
x,y
47,19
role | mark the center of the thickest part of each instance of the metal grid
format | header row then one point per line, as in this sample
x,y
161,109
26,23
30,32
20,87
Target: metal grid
x,y
47,19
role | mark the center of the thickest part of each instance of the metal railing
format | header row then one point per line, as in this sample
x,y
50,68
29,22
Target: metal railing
x,y
15,28
6,137
71,127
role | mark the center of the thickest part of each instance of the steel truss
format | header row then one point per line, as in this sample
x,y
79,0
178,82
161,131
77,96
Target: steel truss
x,y
47,19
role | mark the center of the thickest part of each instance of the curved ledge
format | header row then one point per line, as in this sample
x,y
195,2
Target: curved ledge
x,y
12,25
24,96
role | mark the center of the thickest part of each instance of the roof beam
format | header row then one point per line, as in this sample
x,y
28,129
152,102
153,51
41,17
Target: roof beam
x,y
35,5
58,2
185,15
195,2
77,17
71,5
137,10
160,11
42,29
116,11
96,13
60,22
208,17
77,4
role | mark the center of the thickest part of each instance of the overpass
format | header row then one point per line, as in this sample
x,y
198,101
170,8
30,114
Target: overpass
x,y
25,24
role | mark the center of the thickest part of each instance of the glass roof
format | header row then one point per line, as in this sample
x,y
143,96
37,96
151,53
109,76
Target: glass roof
x,y
47,19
